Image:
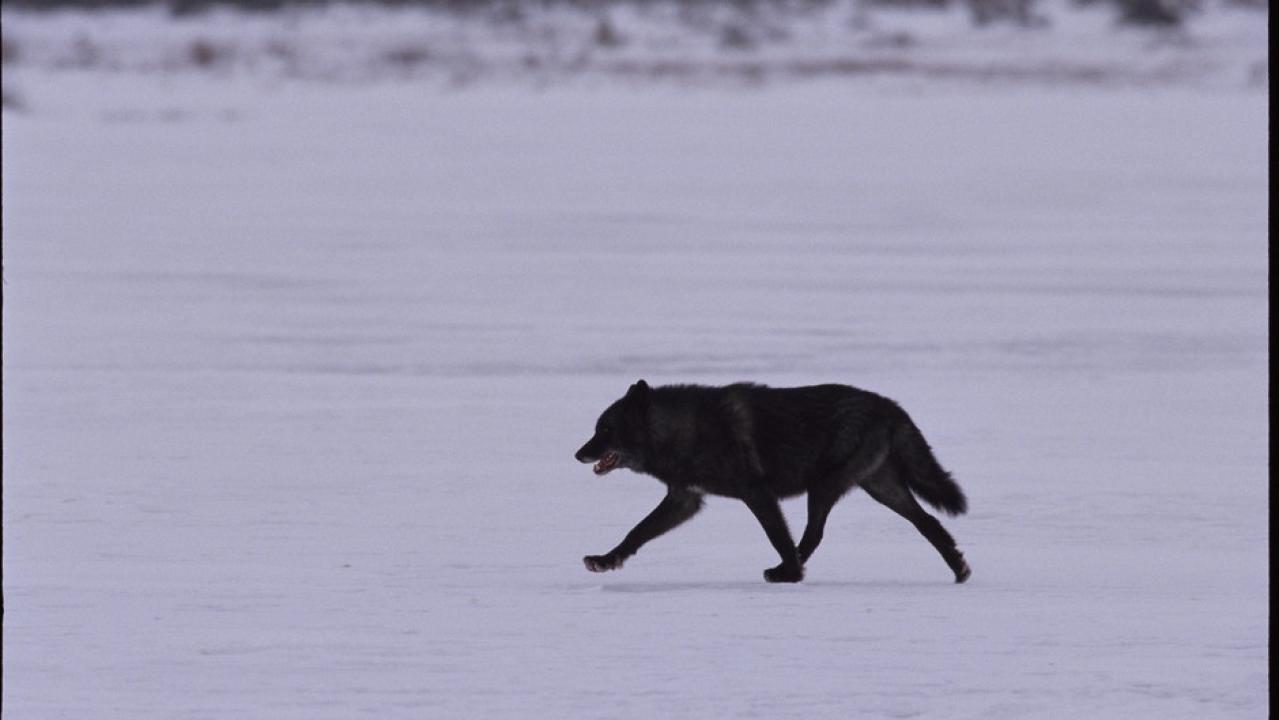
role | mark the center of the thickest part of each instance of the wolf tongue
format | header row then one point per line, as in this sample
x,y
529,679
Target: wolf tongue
x,y
606,463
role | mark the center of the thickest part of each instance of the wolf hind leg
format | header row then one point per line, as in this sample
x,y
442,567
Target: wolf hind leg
x,y
888,487
820,503
823,494
769,514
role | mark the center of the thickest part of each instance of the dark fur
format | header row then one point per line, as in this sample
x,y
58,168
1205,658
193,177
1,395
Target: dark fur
x,y
760,444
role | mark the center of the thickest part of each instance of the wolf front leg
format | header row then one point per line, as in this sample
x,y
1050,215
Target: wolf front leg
x,y
678,505
770,516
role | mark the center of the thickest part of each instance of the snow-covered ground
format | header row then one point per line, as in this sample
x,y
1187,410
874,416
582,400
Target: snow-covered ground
x,y
294,372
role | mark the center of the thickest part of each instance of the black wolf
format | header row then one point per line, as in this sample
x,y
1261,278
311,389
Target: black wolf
x,y
759,444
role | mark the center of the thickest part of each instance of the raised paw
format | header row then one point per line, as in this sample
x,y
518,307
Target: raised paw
x,y
602,563
784,573
963,572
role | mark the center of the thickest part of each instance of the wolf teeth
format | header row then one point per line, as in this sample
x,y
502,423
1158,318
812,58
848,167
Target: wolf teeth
x,y
606,463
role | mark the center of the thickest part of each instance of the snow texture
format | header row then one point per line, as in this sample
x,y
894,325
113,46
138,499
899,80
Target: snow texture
x,y
294,373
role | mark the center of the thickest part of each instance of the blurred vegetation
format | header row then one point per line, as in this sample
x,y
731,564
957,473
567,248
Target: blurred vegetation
x,y
983,12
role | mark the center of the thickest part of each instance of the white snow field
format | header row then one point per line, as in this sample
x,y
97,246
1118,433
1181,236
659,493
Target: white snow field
x,y
294,373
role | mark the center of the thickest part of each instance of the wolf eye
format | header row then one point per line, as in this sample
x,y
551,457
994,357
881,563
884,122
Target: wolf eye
x,y
605,430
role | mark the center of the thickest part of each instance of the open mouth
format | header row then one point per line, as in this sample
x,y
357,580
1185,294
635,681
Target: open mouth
x,y
606,463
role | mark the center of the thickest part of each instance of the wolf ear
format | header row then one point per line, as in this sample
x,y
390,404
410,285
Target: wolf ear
x,y
637,395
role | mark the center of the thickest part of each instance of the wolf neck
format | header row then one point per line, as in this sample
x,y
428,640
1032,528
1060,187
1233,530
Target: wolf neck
x,y
688,424
672,434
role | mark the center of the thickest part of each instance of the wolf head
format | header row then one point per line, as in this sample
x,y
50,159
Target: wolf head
x,y
620,434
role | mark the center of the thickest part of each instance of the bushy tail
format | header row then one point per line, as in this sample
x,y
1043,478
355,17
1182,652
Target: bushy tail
x,y
925,476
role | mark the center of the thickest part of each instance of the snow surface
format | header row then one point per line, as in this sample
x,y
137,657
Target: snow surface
x,y
294,374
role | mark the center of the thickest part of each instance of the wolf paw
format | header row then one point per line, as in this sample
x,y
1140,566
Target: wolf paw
x,y
963,572
602,563
784,573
